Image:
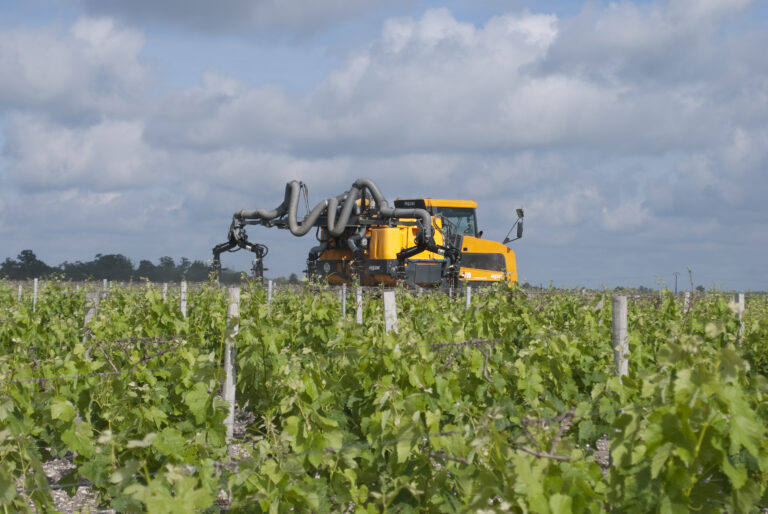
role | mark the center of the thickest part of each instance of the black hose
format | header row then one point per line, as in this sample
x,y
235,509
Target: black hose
x,y
337,222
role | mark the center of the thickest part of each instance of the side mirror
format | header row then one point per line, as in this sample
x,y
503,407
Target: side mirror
x,y
519,223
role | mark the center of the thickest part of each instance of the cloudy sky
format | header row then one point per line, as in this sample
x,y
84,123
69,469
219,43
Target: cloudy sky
x,y
634,134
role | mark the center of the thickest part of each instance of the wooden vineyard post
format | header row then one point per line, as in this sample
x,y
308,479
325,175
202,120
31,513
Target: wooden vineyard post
x,y
343,301
34,296
105,283
18,298
269,297
233,326
390,312
620,336
738,299
92,299
165,292
183,298
359,304
468,300
686,302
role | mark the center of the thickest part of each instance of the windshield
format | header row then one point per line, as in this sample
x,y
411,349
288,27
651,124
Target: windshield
x,y
457,220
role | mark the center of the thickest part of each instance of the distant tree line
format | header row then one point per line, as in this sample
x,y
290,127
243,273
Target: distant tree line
x,y
112,267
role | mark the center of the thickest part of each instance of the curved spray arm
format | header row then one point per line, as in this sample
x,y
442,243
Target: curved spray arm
x,y
337,219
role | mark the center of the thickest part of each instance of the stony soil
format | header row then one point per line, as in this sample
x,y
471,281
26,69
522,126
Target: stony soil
x,y
84,499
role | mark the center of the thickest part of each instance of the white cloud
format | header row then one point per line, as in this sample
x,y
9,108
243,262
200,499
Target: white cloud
x,y
109,155
627,215
77,213
111,49
91,70
708,9
274,17
425,84
567,208
661,43
436,83
746,150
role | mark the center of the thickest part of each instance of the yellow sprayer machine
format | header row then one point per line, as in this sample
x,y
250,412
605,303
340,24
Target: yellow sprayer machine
x,y
423,242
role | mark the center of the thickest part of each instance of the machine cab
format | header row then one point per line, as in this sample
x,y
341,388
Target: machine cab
x,y
482,260
458,216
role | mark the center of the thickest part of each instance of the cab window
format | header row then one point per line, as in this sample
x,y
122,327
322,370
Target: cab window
x,y
457,220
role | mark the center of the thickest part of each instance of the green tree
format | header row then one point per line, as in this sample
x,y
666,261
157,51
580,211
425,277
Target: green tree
x,y
197,272
113,267
26,265
75,270
10,268
146,270
166,270
183,266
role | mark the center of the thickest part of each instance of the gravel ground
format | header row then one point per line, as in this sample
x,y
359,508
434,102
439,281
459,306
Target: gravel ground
x,y
603,453
84,499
